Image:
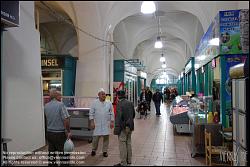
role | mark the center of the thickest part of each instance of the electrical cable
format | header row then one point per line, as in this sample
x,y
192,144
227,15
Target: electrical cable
x,y
59,17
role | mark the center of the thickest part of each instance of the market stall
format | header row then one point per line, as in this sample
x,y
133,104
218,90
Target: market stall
x,y
178,114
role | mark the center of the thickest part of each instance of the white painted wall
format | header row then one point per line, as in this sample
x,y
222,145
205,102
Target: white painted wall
x,y
243,5
91,66
22,113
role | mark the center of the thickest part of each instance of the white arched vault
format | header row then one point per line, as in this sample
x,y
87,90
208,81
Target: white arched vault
x,y
97,17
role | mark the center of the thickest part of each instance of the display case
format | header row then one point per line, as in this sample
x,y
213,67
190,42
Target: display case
x,y
78,108
240,140
79,123
178,115
198,119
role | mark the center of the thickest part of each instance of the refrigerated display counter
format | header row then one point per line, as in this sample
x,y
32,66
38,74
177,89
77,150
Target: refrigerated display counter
x,y
79,123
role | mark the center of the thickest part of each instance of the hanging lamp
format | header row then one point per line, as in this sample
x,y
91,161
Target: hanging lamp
x,y
148,7
158,43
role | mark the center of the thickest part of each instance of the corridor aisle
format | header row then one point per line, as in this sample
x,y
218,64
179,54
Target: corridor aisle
x,y
153,143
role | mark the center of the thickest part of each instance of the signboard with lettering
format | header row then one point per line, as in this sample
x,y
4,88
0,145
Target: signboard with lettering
x,y
230,32
188,66
52,62
10,13
208,47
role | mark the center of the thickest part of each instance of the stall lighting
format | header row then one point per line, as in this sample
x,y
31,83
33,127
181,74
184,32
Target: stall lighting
x,y
158,43
196,66
214,42
148,7
202,57
54,84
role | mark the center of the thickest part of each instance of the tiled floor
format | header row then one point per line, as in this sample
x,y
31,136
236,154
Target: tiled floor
x,y
153,144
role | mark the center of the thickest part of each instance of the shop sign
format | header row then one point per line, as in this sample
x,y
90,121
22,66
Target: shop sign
x,y
230,32
10,13
130,68
52,62
188,67
209,43
143,74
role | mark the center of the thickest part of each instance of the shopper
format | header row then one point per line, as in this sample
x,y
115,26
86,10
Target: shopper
x,y
167,94
143,95
124,125
101,120
58,130
148,96
157,98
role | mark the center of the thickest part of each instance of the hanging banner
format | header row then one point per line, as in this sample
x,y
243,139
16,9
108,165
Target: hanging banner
x,y
230,32
208,47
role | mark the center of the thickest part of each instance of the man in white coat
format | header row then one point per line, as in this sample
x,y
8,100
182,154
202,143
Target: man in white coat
x,y
101,118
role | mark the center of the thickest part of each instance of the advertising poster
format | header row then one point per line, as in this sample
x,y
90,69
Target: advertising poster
x,y
231,60
230,32
208,45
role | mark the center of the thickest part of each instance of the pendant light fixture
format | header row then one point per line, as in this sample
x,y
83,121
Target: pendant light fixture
x,y
158,43
164,65
148,7
162,59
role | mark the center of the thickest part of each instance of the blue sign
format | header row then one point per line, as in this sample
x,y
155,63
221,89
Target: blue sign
x,y
230,32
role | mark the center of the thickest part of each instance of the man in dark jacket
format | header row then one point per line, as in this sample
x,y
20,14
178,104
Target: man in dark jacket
x,y
148,96
124,125
157,98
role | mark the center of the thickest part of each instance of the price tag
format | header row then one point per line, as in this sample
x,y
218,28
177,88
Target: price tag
x,y
76,112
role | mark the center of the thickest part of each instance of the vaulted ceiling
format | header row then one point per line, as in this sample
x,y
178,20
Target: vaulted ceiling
x,y
181,25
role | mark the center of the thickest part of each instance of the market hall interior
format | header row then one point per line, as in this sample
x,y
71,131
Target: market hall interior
x,y
78,47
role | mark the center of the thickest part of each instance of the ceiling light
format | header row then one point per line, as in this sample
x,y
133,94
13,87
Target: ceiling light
x,y
162,59
164,65
158,43
214,42
148,7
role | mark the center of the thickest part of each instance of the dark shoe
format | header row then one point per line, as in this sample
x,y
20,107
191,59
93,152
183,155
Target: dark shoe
x,y
105,154
129,163
93,153
118,164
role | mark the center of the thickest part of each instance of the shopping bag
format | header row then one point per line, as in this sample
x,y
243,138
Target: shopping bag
x,y
68,146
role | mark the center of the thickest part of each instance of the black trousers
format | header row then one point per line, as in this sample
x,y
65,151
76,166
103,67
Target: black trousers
x,y
149,104
56,146
157,108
